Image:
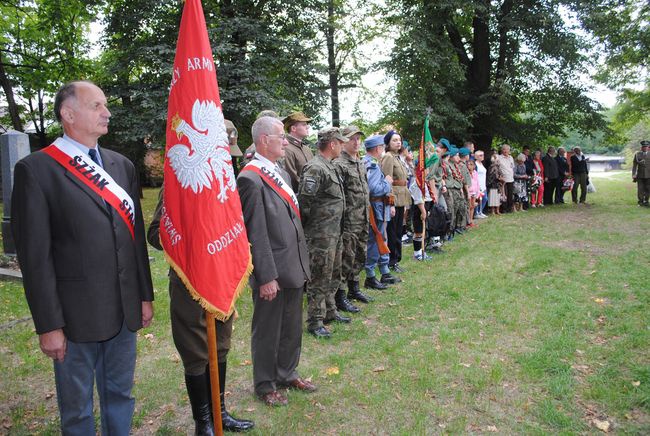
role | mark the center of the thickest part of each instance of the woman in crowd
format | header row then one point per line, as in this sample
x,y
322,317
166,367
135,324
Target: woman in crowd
x,y
391,165
482,176
521,178
537,187
474,191
494,185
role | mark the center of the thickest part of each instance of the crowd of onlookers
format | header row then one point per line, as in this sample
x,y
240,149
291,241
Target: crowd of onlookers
x,y
502,182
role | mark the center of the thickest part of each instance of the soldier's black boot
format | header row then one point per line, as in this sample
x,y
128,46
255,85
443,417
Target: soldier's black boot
x,y
199,394
343,304
373,283
228,422
354,293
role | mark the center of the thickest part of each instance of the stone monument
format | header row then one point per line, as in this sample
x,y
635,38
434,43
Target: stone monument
x,y
14,146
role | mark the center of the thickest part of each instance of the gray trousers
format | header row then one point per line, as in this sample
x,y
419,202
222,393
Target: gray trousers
x,y
579,180
276,339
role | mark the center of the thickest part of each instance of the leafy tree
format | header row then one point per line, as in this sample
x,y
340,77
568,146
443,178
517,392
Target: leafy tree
x,y
44,45
491,70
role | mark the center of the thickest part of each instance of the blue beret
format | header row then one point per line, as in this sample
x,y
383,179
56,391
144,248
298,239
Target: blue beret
x,y
389,135
373,141
445,142
452,151
405,144
464,151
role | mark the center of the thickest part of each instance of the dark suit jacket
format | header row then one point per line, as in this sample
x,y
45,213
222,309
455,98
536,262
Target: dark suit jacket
x,y
277,240
82,271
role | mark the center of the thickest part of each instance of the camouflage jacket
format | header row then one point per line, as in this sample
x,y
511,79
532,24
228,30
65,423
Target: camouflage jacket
x,y
321,198
355,185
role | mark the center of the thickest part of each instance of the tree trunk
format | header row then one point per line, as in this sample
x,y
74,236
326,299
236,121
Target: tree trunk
x,y
16,122
331,62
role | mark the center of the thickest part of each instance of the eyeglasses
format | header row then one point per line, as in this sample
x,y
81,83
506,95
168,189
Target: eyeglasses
x,y
282,136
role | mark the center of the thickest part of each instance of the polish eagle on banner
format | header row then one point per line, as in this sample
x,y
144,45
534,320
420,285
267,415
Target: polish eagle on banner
x,y
202,226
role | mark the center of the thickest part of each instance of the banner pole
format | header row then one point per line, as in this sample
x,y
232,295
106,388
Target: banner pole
x,y
211,327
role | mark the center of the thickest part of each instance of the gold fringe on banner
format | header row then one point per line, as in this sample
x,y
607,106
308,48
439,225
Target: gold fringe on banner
x,y
218,314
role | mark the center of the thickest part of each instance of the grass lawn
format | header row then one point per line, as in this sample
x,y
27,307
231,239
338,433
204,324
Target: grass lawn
x,y
536,323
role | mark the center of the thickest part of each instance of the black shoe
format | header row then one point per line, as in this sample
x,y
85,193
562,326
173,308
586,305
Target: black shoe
x,y
320,333
359,296
343,304
459,231
390,279
436,250
373,283
199,395
338,318
229,422
396,268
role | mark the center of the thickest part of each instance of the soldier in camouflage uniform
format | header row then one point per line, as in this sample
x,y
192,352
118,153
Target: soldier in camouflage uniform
x,y
355,220
455,186
464,154
322,202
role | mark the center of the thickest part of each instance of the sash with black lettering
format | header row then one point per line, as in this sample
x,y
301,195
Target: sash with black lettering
x,y
95,177
275,182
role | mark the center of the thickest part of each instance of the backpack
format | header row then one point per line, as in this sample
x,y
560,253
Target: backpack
x,y
438,221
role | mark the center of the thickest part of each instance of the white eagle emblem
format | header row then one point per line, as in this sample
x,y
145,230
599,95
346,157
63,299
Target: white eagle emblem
x,y
209,157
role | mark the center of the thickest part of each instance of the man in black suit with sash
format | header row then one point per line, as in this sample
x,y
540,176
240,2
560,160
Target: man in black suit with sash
x,y
79,235
281,265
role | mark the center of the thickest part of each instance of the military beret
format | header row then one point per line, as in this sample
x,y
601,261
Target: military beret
x,y
463,151
329,134
445,143
231,131
295,117
452,151
645,143
389,135
351,130
373,141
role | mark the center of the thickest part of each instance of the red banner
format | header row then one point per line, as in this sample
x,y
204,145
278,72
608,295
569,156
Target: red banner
x,y
202,227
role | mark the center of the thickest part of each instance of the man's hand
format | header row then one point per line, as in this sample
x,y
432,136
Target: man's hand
x,y
53,344
269,291
392,211
147,313
389,179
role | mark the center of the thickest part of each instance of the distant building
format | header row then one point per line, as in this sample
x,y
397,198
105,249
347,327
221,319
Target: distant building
x,y
599,162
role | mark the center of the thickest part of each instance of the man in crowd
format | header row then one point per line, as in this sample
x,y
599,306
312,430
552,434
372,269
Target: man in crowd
x,y
580,173
551,174
457,190
380,212
507,169
250,151
322,202
84,262
563,171
190,337
298,152
355,220
641,174
281,265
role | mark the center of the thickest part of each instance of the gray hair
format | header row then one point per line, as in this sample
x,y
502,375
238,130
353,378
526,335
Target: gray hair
x,y
521,157
264,126
67,92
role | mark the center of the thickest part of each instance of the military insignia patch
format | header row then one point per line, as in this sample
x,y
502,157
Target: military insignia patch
x,y
310,185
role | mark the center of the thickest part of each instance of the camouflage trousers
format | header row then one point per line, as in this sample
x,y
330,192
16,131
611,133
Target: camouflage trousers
x,y
325,264
459,216
354,255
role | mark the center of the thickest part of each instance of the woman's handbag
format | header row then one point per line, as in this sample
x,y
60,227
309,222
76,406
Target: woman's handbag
x,y
567,185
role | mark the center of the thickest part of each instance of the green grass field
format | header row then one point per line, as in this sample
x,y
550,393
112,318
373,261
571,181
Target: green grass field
x,y
533,323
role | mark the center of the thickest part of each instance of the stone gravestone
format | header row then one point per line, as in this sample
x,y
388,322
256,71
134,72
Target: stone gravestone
x,y
15,146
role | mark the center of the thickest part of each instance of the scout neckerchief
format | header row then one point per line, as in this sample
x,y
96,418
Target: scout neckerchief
x,y
95,177
271,177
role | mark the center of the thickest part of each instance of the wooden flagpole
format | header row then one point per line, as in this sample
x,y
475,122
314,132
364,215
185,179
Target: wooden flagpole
x,y
214,372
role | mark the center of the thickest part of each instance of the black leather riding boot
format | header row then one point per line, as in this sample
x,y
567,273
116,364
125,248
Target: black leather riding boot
x,y
199,394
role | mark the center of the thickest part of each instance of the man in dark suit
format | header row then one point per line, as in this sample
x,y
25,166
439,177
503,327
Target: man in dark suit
x,y
281,265
84,262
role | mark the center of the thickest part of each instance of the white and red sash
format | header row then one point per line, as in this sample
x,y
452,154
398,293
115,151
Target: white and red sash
x,y
95,177
275,182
